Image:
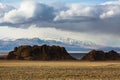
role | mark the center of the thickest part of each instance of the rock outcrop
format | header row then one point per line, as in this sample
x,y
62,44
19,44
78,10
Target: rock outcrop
x,y
101,56
44,52
94,56
112,55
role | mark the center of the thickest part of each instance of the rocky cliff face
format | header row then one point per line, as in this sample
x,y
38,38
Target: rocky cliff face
x,y
44,52
101,56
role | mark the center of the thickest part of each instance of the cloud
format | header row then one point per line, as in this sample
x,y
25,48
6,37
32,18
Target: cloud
x,y
5,8
26,14
114,2
112,9
54,34
85,12
76,12
98,23
98,19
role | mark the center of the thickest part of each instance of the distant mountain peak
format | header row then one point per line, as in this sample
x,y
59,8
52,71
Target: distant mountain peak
x,y
69,44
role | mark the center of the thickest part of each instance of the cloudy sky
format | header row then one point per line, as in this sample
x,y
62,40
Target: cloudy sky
x,y
97,21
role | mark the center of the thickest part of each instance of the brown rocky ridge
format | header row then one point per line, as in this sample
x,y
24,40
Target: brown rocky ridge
x,y
101,56
36,52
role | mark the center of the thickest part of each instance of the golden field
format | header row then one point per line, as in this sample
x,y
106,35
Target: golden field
x,y
59,70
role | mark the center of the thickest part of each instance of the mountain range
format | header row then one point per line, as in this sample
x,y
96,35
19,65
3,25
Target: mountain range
x,y
70,44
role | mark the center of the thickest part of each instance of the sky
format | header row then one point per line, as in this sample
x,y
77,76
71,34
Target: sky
x,y
70,1
65,1
96,21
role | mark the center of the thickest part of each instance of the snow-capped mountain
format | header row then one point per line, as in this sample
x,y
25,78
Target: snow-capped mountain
x,y
69,44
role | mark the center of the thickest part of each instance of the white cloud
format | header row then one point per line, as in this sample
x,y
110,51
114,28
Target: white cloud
x,y
107,14
22,14
54,34
4,8
28,11
76,11
110,9
106,10
115,2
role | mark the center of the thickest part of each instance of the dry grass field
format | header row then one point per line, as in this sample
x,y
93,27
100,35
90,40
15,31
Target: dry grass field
x,y
56,70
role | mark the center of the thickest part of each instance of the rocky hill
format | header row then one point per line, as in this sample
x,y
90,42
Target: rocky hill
x,y
36,52
101,56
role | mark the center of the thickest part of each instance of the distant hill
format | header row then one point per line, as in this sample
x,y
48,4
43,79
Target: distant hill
x,y
69,44
95,55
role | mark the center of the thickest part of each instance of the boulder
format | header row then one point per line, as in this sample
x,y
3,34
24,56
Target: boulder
x,y
36,52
